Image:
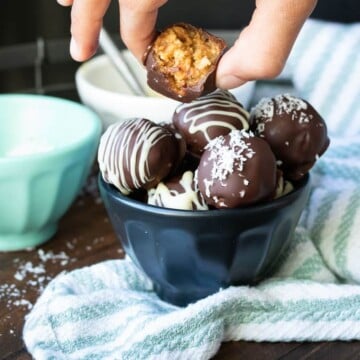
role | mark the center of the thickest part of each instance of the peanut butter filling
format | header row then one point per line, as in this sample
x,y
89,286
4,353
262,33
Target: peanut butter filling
x,y
185,56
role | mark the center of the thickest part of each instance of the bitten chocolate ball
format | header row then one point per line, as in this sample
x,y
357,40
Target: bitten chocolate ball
x,y
237,169
136,154
181,63
295,131
207,117
179,192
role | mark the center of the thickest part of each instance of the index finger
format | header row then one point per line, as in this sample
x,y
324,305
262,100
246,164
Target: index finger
x,y
86,21
137,24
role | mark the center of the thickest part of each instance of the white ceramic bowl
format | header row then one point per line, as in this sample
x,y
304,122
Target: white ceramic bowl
x,y
102,88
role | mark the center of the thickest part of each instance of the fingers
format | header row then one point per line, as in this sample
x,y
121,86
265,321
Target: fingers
x,y
264,45
86,22
137,24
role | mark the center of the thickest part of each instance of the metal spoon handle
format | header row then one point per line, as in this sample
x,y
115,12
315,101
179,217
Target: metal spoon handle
x,y
117,58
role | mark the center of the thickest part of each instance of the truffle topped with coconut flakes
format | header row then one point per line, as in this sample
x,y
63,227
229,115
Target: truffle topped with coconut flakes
x,y
237,169
295,131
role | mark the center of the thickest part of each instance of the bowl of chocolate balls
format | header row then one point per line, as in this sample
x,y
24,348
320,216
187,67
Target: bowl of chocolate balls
x,y
211,198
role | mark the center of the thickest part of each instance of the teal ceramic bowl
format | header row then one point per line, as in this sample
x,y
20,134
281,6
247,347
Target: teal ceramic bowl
x,y
47,147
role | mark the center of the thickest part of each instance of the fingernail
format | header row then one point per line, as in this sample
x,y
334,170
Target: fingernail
x,y
75,50
65,2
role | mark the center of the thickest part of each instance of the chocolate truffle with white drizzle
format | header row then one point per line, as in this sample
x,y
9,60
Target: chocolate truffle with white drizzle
x,y
294,130
237,169
208,117
179,192
136,154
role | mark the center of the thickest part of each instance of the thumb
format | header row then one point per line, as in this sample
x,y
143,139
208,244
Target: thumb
x,y
262,48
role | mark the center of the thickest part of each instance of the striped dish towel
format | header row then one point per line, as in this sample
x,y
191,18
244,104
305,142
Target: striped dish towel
x,y
325,68
109,310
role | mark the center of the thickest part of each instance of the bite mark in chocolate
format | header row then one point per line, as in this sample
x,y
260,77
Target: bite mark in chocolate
x,y
181,63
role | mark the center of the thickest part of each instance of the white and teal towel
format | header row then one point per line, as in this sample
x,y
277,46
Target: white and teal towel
x,y
109,310
325,68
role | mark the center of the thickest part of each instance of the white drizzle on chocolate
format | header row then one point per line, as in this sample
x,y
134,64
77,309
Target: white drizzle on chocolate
x,y
126,146
283,187
207,107
188,198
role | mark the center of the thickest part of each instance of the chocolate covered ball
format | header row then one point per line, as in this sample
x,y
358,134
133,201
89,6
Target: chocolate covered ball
x,y
181,63
181,143
237,169
136,154
179,192
295,131
207,117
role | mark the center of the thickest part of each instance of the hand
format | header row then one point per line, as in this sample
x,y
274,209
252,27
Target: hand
x,y
260,52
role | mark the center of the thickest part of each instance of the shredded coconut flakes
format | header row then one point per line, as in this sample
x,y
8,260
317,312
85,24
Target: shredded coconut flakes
x,y
285,104
264,109
228,157
34,275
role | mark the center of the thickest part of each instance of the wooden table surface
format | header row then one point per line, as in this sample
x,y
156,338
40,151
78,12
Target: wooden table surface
x,y
85,237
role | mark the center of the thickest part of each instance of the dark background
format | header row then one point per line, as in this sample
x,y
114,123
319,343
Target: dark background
x,y
22,21
29,28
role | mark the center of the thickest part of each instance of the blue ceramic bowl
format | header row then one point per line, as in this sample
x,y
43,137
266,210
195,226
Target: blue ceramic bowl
x,y
192,254
47,148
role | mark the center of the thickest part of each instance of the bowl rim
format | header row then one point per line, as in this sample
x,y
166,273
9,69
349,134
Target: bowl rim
x,y
93,133
301,186
82,79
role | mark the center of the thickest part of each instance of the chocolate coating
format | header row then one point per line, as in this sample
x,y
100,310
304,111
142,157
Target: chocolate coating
x,y
179,192
295,131
207,117
136,154
181,63
190,162
237,169
181,143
